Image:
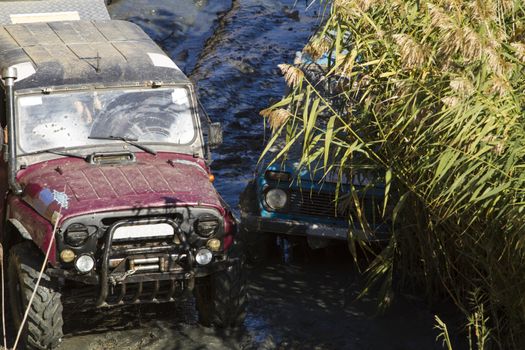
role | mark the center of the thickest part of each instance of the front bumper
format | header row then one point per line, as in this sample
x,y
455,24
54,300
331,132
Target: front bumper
x,y
141,288
94,278
254,223
128,272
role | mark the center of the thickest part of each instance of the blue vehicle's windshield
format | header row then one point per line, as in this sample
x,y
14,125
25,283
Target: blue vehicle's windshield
x,y
290,162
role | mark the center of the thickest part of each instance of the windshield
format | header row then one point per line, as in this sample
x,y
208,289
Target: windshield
x,y
69,119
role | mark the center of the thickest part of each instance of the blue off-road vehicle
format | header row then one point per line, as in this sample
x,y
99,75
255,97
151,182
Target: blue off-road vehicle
x,y
286,200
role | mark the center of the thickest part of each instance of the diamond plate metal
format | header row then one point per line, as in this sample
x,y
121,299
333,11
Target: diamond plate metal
x,y
87,9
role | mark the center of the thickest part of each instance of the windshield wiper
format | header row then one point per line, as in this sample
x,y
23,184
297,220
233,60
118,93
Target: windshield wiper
x,y
128,140
61,151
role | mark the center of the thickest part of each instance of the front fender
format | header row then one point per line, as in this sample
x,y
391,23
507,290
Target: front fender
x,y
35,227
21,229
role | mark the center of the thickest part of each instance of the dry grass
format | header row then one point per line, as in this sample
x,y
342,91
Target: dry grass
x,y
412,53
276,117
292,74
318,46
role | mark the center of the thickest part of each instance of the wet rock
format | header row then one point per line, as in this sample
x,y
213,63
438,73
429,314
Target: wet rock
x,y
291,13
243,67
183,56
266,85
236,125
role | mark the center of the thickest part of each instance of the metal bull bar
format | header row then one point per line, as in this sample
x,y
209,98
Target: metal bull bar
x,y
104,271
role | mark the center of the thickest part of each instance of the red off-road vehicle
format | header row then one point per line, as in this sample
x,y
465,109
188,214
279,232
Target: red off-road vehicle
x,y
103,140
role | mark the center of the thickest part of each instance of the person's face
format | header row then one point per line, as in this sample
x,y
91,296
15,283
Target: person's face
x,y
84,112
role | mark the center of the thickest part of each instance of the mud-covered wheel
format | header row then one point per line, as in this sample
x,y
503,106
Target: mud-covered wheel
x,y
221,297
43,327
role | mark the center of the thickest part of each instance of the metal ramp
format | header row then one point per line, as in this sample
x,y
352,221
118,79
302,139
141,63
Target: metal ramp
x,y
13,12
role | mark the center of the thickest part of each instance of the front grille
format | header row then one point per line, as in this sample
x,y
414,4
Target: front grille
x,y
144,249
143,262
156,256
323,204
315,204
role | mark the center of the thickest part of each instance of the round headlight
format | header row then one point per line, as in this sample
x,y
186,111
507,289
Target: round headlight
x,y
67,255
276,198
206,225
76,235
84,263
214,245
203,257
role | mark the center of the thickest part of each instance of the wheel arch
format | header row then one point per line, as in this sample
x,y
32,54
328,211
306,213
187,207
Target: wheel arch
x,y
14,233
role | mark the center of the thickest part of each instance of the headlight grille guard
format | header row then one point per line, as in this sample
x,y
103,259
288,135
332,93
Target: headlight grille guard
x,y
104,271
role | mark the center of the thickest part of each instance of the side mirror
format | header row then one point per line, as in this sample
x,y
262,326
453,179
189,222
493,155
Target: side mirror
x,y
215,135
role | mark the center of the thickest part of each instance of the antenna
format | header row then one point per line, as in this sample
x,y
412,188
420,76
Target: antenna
x,y
97,69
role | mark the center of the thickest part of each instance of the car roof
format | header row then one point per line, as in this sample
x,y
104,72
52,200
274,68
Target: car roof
x,y
100,53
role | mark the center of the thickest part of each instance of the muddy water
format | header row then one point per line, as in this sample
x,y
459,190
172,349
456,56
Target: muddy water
x,y
237,76
231,49
307,305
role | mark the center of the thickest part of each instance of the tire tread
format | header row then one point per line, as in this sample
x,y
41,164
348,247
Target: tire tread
x,y
43,329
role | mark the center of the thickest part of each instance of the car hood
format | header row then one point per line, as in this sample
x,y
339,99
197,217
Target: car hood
x,y
292,167
75,187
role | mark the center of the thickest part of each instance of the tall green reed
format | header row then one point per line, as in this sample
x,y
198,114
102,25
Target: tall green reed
x,y
428,100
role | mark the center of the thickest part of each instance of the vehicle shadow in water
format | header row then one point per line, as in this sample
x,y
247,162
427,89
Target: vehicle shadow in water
x,y
153,326
310,303
313,304
165,326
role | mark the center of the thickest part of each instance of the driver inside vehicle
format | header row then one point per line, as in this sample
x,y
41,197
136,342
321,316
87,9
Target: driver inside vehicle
x,y
84,112
65,122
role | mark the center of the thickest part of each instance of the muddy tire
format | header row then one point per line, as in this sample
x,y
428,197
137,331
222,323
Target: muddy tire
x,y
221,297
43,327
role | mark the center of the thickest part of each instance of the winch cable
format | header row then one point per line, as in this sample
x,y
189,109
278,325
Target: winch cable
x,y
39,277
3,294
